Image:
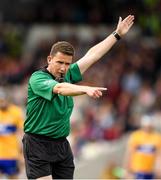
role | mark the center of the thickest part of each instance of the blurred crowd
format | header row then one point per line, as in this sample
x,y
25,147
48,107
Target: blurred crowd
x,y
131,71
86,12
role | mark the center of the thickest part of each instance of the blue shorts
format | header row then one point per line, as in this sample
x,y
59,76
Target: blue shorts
x,y
144,175
9,167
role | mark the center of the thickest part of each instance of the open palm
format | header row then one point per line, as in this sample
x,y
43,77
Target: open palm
x,y
123,26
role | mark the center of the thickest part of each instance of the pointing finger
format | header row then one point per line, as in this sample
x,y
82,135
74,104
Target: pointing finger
x,y
102,89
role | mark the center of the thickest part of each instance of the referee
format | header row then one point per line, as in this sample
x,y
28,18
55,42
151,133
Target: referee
x,y
47,152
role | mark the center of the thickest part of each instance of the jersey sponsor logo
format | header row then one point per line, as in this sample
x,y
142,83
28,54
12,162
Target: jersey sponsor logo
x,y
7,129
48,82
148,148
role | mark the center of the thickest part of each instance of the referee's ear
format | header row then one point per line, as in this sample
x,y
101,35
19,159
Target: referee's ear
x,y
49,58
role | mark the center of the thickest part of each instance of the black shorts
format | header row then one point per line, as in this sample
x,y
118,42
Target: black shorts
x,y
46,156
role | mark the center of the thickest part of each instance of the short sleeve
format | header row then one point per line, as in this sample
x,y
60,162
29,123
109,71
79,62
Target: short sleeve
x,y
42,84
74,73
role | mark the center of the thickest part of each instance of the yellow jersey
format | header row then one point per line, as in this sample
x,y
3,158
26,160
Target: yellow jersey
x,y
145,147
10,121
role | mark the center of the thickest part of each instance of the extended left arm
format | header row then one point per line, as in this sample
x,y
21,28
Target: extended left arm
x,y
97,51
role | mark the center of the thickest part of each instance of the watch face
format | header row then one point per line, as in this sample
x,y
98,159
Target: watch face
x,y
117,36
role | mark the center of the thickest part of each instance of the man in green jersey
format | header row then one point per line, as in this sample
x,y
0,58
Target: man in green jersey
x,y
46,150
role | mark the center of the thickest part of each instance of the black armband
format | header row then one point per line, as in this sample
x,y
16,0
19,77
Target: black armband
x,y
116,35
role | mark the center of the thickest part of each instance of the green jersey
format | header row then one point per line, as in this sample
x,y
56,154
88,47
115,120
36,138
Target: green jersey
x,y
48,113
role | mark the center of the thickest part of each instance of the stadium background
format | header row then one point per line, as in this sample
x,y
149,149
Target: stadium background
x,y
131,70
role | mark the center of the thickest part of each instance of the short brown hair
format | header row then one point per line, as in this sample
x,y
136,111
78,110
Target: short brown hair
x,y
63,47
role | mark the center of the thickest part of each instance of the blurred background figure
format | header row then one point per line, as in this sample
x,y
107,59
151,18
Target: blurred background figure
x,y
11,123
143,151
112,171
131,71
